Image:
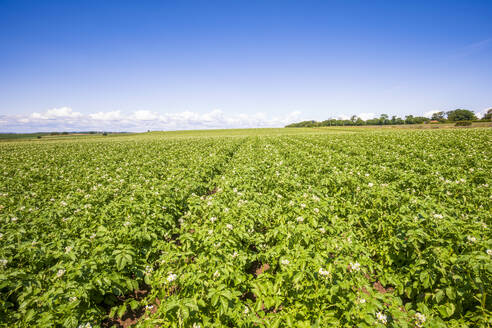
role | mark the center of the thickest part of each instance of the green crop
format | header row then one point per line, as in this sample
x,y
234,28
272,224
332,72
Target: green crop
x,y
311,229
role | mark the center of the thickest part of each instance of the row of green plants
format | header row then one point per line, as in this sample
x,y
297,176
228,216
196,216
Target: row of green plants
x,y
377,228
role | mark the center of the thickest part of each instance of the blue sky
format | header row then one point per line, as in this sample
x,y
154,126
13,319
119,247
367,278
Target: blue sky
x,y
136,65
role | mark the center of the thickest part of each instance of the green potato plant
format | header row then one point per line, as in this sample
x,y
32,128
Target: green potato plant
x,y
360,228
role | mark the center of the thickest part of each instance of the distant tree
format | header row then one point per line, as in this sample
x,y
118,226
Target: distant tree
x,y
39,137
409,119
488,115
461,115
302,124
439,116
383,119
359,121
420,119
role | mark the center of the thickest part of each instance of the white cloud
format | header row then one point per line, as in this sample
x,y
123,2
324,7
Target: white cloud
x,y
65,119
62,112
106,116
366,116
144,115
429,114
482,113
52,114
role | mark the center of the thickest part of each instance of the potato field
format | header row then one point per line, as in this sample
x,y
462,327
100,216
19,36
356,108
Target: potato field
x,y
288,228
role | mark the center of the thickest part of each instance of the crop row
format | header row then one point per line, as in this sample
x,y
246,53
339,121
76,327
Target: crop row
x,y
355,229
81,224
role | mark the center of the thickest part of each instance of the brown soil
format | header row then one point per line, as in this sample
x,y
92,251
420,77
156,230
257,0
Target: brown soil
x,y
258,268
380,288
212,191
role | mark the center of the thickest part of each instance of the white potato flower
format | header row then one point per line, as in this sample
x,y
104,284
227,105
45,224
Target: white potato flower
x,y
85,325
355,266
171,277
382,317
420,319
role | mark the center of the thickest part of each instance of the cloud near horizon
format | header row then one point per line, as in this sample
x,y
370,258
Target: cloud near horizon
x,y
478,114
66,119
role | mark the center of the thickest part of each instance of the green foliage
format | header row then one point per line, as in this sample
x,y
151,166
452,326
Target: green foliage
x,y
376,228
488,115
438,116
357,121
461,115
463,123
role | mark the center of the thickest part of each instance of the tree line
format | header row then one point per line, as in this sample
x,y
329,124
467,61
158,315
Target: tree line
x,y
438,117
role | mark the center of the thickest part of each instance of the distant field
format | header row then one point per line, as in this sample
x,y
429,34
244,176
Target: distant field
x,y
430,126
301,227
14,136
241,132
183,133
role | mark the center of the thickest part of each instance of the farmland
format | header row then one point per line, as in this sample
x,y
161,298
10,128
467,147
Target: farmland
x,y
248,228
